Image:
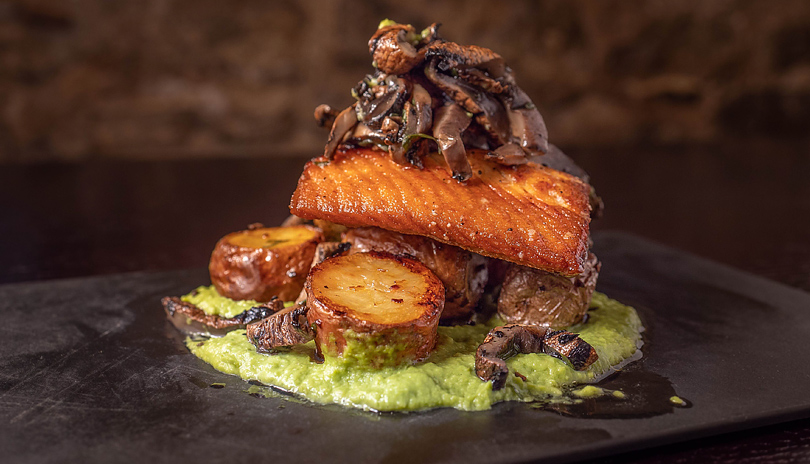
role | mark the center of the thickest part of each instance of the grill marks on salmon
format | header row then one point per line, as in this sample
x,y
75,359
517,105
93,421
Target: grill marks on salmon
x,y
528,214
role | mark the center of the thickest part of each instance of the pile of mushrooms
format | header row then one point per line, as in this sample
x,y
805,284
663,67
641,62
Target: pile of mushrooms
x,y
429,92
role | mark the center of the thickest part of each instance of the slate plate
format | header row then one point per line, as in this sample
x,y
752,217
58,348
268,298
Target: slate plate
x,y
91,372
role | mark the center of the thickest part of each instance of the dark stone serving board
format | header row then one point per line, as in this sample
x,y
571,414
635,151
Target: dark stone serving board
x,y
91,372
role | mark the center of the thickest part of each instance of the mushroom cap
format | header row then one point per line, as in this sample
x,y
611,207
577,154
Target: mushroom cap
x,y
392,50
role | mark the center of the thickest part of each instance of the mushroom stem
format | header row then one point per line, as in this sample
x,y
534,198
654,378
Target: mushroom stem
x,y
325,115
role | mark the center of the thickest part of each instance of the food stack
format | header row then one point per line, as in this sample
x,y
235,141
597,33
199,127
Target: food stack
x,y
438,200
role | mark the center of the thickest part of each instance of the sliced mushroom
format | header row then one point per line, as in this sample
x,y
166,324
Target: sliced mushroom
x,y
416,69
372,111
456,90
192,320
422,104
418,116
509,154
482,80
285,328
399,149
364,134
453,55
568,346
344,123
451,120
526,124
476,101
528,127
508,340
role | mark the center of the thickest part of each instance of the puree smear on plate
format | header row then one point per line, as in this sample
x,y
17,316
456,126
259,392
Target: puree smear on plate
x,y
446,379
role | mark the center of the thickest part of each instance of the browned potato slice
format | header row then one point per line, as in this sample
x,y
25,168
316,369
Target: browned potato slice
x,y
463,273
259,263
535,297
323,251
375,308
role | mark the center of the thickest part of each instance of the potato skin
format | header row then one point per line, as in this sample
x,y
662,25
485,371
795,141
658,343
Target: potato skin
x,y
534,297
245,273
411,341
463,273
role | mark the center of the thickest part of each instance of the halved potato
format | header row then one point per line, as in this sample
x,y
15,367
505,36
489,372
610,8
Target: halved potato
x,y
263,262
463,273
374,308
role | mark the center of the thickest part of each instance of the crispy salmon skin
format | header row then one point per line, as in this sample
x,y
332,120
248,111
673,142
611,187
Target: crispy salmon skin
x,y
527,214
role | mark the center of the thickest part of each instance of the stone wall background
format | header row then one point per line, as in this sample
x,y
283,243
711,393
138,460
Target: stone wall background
x,y
86,79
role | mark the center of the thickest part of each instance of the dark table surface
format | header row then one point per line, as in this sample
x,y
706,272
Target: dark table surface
x,y
747,206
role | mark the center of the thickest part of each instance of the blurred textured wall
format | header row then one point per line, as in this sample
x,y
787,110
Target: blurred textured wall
x,y
177,78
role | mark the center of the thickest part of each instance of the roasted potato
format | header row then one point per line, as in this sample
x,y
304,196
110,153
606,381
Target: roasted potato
x,y
463,273
375,309
323,251
263,262
534,297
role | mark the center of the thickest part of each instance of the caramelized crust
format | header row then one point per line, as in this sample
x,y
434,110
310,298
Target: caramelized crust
x,y
388,304
527,214
463,274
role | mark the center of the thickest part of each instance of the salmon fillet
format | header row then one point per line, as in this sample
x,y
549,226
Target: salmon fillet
x,y
527,214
